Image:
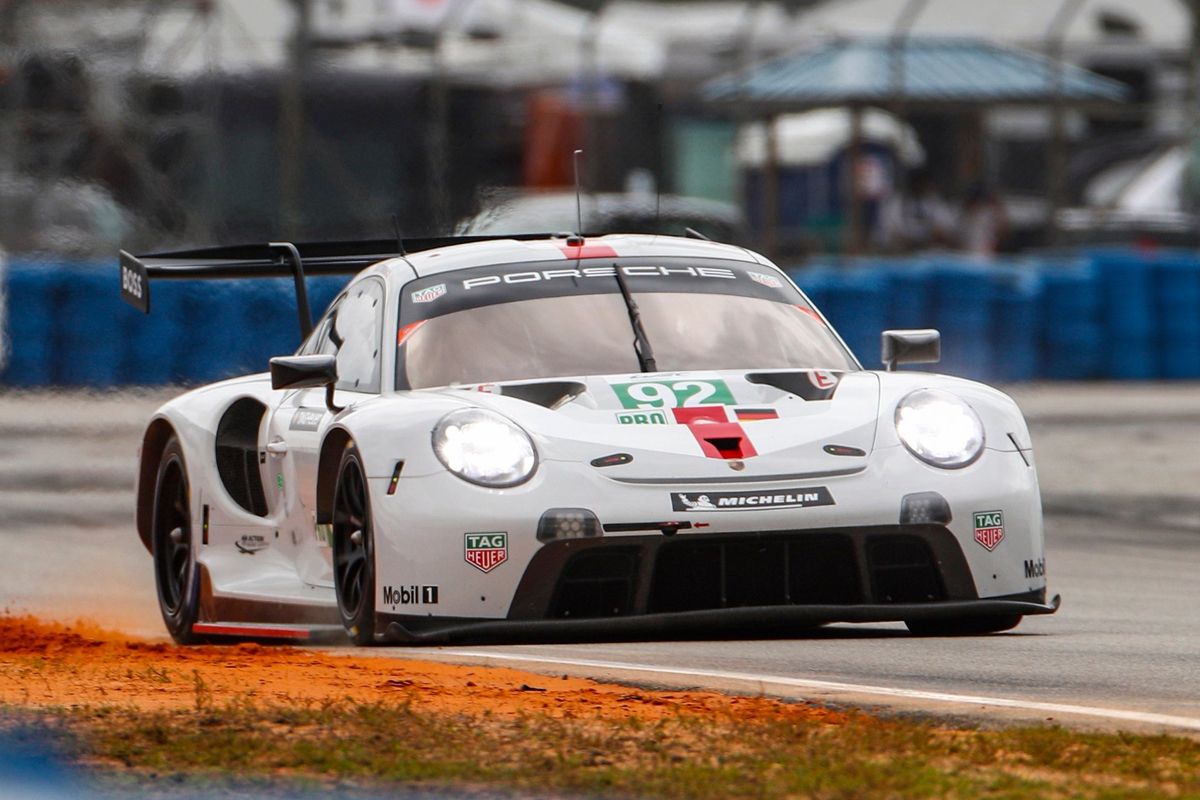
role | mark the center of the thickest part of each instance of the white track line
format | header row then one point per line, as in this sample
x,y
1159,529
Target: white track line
x,y
1143,717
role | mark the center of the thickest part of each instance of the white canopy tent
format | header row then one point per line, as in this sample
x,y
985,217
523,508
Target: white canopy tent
x,y
488,42
1162,24
512,43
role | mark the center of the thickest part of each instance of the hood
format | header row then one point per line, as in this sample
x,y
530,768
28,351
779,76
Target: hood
x,y
739,425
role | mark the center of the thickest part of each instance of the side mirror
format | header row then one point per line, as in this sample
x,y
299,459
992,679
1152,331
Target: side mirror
x,y
303,372
922,346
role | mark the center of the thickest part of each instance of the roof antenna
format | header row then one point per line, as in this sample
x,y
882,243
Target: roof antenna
x,y
578,201
399,238
657,182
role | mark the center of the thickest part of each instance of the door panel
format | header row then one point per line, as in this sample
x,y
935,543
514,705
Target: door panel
x,y
352,331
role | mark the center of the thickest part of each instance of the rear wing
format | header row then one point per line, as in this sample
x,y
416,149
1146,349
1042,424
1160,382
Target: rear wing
x,y
274,260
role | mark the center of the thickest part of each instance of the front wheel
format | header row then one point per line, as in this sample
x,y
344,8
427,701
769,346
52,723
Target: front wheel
x,y
175,571
354,549
963,626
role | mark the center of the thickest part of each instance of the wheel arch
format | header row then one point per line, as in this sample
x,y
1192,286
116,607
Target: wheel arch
x,y
327,468
154,441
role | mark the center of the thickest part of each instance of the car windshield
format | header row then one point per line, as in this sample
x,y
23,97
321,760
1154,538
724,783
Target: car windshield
x,y
529,321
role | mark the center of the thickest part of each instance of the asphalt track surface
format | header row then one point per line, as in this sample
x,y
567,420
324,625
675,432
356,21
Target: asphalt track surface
x,y
1127,639
1120,471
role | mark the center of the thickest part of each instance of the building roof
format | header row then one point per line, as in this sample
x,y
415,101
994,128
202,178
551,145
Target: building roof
x,y
931,70
1162,24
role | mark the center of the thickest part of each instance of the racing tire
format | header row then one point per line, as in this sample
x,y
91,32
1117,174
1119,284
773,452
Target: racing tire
x,y
354,549
176,574
963,626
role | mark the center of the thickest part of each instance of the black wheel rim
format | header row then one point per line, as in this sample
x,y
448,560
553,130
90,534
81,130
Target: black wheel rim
x,y
351,540
173,551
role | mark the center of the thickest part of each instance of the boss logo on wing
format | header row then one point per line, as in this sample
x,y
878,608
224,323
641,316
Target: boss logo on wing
x,y
535,276
131,282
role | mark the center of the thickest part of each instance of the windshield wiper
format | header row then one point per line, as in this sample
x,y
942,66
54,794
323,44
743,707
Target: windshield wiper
x,y
641,344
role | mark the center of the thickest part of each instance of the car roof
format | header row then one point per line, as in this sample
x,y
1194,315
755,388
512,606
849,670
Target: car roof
x,y
513,251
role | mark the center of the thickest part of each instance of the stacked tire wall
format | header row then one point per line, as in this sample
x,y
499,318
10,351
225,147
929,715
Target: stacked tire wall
x,y
1112,314
1107,314
66,325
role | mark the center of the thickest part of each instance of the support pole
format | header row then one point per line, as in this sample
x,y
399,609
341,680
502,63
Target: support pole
x,y
770,188
291,123
288,253
854,220
1056,166
1191,193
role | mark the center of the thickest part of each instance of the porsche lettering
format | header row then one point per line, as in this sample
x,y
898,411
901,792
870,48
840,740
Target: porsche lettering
x,y
534,276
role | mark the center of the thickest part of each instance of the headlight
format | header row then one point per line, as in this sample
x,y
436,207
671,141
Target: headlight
x,y
484,448
939,428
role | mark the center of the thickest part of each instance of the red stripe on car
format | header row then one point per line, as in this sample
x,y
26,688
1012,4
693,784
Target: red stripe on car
x,y
717,437
587,251
250,631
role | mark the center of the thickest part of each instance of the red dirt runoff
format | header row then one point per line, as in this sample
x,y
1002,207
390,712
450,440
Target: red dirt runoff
x,y
44,664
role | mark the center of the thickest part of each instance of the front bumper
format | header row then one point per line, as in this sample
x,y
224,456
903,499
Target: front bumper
x,y
729,584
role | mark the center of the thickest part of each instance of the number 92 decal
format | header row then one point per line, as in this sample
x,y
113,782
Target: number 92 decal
x,y
672,394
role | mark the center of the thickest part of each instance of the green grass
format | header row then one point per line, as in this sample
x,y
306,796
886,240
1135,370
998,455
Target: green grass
x,y
682,756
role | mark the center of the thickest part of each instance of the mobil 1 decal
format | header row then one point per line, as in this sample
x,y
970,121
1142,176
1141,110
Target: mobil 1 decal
x,y
800,497
989,528
485,551
673,394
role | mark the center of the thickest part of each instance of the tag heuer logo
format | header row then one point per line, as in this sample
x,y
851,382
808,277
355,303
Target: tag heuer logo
x,y
766,280
430,294
989,528
486,551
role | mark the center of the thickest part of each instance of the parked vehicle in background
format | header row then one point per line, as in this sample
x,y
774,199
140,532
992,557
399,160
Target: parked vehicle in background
x,y
64,217
514,211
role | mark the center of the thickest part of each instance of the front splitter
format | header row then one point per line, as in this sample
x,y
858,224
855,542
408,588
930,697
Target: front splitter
x,y
701,624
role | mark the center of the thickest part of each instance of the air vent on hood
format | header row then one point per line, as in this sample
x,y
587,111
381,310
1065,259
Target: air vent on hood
x,y
549,394
810,385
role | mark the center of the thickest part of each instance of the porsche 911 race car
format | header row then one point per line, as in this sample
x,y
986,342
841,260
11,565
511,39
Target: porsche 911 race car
x,y
559,437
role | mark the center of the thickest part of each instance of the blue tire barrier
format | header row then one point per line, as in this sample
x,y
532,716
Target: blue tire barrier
x,y
1104,314
857,308
1016,318
910,291
963,314
88,346
151,340
815,282
1177,303
1127,285
32,295
1072,332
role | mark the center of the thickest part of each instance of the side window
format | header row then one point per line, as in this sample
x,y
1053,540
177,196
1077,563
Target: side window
x,y
318,340
355,329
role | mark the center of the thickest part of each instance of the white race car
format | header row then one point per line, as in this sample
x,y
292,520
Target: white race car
x,y
552,437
